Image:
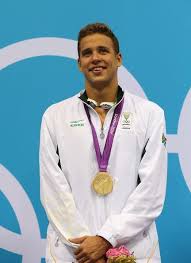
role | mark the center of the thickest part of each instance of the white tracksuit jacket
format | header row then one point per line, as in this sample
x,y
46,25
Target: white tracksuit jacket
x,y
127,215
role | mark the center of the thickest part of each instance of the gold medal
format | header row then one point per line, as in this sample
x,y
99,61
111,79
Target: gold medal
x,y
102,183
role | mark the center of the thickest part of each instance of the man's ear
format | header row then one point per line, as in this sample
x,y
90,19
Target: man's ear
x,y
119,59
79,64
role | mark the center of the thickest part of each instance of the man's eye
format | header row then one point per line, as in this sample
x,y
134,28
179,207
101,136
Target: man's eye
x,y
103,50
86,53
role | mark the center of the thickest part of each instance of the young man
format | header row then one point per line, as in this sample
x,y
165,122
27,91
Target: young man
x,y
103,162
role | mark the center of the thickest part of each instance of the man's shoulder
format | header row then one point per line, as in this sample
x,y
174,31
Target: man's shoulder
x,y
142,103
60,106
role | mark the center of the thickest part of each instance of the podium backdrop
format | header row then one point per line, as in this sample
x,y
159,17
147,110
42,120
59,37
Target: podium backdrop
x,y
38,68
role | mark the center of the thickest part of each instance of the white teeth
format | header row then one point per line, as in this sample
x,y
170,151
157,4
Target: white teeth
x,y
97,69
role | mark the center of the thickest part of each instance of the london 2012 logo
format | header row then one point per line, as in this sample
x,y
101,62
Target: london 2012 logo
x,y
29,241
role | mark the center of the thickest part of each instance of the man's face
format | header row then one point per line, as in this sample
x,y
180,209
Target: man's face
x,y
98,59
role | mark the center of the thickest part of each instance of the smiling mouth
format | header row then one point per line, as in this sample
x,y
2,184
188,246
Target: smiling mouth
x,y
97,69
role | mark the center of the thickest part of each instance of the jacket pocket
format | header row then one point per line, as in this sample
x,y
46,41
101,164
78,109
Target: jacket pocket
x,y
57,251
144,245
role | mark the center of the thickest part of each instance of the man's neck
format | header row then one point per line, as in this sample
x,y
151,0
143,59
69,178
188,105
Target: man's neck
x,y
106,93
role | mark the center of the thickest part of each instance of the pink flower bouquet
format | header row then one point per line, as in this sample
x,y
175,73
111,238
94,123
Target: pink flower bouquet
x,y
120,255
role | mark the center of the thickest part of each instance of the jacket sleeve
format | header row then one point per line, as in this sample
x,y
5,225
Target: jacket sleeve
x,y
55,191
145,203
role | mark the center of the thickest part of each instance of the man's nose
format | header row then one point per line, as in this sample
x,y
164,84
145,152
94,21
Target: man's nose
x,y
95,56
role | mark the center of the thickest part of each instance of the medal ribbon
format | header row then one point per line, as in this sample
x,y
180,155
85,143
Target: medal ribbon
x,y
103,159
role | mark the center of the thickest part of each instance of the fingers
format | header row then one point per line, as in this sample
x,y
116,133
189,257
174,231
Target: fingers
x,y
84,260
85,257
77,251
92,248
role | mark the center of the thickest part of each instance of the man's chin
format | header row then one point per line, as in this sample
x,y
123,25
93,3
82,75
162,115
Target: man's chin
x,y
99,82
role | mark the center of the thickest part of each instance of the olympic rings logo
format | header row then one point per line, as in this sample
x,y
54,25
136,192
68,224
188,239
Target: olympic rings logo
x,y
30,240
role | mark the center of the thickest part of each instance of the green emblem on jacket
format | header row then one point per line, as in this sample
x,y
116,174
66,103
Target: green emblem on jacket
x,y
164,140
78,123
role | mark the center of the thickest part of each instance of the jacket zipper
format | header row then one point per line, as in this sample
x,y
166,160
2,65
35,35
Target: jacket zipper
x,y
56,243
102,134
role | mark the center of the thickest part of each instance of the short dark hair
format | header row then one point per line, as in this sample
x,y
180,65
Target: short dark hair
x,y
100,28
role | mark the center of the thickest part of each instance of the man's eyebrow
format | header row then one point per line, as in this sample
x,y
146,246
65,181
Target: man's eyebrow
x,y
85,50
96,48
104,47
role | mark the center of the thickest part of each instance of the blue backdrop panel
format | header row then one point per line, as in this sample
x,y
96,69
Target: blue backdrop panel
x,y
38,68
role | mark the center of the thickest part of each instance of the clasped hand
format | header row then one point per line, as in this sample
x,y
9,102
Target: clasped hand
x,y
91,249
